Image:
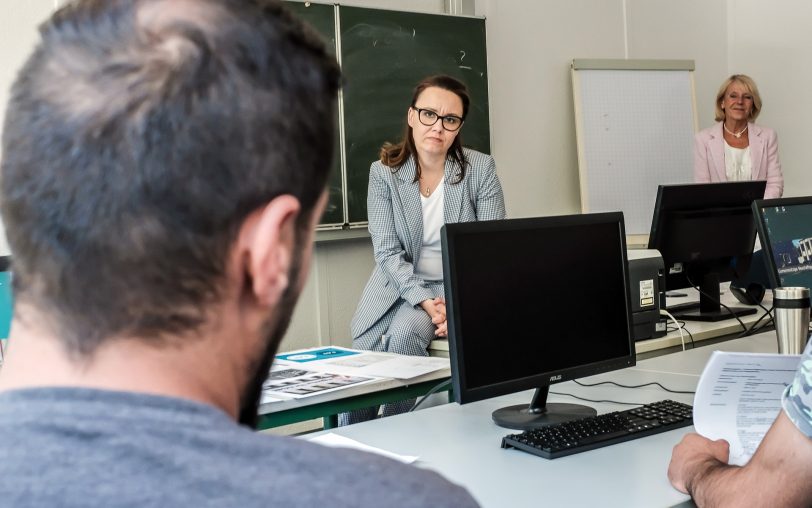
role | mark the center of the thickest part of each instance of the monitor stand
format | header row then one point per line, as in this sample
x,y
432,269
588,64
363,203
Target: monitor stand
x,y
539,413
709,308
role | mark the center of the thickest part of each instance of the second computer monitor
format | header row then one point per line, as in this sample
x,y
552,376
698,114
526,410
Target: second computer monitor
x,y
785,229
705,234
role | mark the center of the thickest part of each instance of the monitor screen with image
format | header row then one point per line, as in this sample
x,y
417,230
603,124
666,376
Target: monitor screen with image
x,y
785,231
533,302
705,233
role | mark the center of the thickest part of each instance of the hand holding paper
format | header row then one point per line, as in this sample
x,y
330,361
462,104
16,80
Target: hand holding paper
x,y
739,397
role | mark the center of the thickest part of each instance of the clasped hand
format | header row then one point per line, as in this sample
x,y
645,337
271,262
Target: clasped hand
x,y
435,308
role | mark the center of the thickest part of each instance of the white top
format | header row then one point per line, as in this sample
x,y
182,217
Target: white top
x,y
430,265
738,164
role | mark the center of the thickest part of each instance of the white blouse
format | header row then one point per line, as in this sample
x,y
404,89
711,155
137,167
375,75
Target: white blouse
x,y
430,264
738,164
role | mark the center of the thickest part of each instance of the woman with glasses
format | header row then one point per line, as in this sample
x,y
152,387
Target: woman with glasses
x,y
735,148
418,185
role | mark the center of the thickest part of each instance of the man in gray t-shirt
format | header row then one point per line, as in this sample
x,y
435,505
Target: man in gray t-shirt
x,y
164,169
776,475
84,447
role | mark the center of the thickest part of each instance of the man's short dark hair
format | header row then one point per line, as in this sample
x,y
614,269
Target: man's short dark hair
x,y
138,137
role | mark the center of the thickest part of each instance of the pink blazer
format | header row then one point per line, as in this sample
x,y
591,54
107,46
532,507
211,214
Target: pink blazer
x,y
709,157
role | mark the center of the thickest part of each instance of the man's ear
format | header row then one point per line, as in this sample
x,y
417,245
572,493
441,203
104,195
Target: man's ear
x,y
267,243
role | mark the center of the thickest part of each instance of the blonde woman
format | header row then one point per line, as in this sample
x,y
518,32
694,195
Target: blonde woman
x,y
736,148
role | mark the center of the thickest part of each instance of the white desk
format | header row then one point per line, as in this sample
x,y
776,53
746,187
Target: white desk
x,y
463,444
692,361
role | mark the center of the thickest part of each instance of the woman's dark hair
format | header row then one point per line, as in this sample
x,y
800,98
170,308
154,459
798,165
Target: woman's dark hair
x,y
396,155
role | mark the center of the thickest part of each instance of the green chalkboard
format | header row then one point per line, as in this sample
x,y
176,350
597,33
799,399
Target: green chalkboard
x,y
322,18
383,55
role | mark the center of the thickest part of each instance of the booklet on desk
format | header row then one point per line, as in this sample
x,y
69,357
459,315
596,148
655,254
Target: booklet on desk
x,y
285,382
739,396
354,362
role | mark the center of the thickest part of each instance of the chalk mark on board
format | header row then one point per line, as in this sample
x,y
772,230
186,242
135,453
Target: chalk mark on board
x,y
462,56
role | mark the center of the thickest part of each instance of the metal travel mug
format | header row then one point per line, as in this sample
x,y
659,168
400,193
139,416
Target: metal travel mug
x,y
791,310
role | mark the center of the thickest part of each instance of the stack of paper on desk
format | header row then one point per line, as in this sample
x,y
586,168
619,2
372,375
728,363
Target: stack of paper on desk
x,y
739,397
316,371
353,362
285,382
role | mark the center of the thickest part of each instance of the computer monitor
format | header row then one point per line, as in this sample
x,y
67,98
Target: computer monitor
x,y
785,230
532,302
705,234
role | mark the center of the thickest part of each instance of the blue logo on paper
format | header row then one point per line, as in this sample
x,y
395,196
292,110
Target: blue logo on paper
x,y
316,354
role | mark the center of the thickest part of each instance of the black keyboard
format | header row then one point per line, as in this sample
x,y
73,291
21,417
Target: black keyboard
x,y
598,431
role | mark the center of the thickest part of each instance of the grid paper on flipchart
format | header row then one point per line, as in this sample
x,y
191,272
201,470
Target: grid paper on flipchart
x,y
638,129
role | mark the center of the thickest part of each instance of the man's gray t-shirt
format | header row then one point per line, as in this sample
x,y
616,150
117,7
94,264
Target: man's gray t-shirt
x,y
81,447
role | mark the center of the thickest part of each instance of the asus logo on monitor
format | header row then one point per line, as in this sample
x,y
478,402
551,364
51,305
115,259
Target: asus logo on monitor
x,y
555,378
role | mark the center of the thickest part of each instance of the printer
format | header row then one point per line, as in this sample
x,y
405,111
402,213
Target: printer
x,y
646,284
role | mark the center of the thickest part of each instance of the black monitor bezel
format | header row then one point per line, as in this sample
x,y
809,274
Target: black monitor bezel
x,y
462,392
761,226
711,193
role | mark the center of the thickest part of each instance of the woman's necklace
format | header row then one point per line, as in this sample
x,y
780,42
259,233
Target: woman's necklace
x,y
737,135
427,188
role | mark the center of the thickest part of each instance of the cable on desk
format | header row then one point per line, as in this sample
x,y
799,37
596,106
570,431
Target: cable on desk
x,y
753,329
681,335
436,388
632,386
682,325
606,401
717,299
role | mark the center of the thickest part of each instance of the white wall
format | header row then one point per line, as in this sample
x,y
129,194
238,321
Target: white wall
x,y
770,41
530,46
685,30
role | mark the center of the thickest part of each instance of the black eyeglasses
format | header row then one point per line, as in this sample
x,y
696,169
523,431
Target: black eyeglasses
x,y
428,118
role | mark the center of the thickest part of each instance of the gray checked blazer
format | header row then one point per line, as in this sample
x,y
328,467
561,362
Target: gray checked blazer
x,y
396,226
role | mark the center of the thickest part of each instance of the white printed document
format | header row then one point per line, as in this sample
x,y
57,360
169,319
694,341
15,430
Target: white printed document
x,y
389,365
739,397
335,440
